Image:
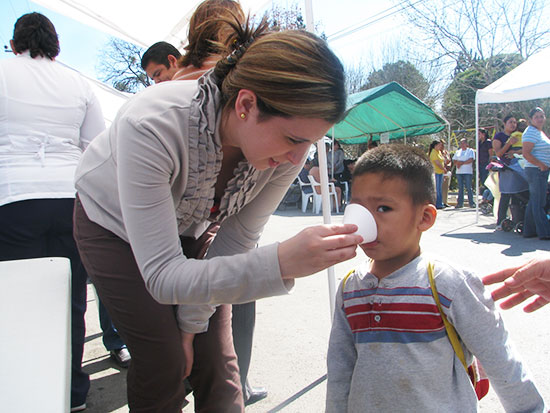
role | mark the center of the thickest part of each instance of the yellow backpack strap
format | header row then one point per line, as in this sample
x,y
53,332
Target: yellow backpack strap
x,y
451,332
346,278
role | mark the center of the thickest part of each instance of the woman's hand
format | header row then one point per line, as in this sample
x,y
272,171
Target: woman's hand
x,y
522,282
187,344
316,248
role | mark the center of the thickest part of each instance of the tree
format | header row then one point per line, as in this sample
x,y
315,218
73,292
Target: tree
x,y
285,18
479,41
404,73
459,98
120,65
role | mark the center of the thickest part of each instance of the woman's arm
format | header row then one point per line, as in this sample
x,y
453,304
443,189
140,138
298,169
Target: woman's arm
x,y
500,149
93,123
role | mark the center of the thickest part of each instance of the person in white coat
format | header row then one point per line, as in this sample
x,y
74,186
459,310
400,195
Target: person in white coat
x,y
48,116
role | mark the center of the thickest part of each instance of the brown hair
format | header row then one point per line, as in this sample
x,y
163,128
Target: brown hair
x,y
292,73
209,34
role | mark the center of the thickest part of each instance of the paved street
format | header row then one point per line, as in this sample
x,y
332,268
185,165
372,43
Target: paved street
x,y
289,356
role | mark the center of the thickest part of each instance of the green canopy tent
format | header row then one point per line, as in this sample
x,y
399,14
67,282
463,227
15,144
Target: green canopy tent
x,y
388,112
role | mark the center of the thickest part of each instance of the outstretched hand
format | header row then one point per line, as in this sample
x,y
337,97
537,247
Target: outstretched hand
x,y
522,282
187,344
316,248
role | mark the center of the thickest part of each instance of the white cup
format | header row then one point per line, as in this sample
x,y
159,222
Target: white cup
x,y
361,216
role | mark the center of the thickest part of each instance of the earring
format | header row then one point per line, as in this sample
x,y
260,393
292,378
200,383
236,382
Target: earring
x,y
243,116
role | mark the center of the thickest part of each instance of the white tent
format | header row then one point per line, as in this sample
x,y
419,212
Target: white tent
x,y
530,80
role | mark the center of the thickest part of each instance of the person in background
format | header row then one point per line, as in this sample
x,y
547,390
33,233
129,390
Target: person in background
x,y
536,151
438,163
48,116
160,61
336,159
485,146
446,176
185,154
389,350
509,182
522,282
315,161
464,159
112,341
315,172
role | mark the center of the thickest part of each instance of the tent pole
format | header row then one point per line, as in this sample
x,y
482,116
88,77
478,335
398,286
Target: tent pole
x,y
477,158
322,156
332,158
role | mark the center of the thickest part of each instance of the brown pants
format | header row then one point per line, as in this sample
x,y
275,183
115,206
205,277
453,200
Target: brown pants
x,y
151,332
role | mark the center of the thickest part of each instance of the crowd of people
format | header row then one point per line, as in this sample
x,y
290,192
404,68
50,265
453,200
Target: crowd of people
x,y
520,154
163,211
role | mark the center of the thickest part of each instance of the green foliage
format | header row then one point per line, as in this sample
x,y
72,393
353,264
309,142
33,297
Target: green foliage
x,y
459,97
402,72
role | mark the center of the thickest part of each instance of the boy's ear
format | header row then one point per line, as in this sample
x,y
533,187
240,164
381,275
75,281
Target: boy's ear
x,y
429,213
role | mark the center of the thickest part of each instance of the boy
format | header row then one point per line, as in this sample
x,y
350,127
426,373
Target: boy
x,y
388,349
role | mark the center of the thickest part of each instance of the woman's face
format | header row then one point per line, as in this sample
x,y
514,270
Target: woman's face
x,y
439,146
538,120
480,136
277,140
510,126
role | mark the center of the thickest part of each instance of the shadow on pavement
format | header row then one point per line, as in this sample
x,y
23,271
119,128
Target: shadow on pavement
x,y
517,245
295,396
108,392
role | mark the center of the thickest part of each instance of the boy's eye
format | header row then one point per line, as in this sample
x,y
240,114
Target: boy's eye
x,y
383,208
294,141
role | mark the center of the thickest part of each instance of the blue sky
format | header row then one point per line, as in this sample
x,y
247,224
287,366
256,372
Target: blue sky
x,y
81,45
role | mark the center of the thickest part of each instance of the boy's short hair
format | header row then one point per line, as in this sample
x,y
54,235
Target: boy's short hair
x,y
406,162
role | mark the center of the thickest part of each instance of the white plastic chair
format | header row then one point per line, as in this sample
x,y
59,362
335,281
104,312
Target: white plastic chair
x,y
35,335
306,196
317,198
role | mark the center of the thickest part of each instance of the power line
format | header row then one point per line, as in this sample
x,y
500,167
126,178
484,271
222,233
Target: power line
x,y
369,21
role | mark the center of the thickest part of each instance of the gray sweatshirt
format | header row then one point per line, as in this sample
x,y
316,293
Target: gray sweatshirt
x,y
389,350
150,178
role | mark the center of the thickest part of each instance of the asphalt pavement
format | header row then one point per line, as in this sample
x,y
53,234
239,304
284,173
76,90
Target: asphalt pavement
x,y
289,355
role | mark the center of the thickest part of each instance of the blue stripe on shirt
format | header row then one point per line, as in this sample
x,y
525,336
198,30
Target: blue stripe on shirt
x,y
385,336
541,150
396,292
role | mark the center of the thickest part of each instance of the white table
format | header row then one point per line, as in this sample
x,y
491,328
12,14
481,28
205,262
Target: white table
x,y
35,339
